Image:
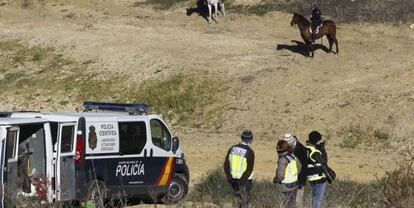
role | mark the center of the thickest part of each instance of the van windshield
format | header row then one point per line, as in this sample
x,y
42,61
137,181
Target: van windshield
x,y
160,136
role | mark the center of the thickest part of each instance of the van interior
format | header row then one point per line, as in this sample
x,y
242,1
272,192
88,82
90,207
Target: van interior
x,y
23,163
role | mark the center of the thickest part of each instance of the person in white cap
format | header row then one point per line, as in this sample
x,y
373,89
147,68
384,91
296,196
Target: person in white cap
x,y
299,150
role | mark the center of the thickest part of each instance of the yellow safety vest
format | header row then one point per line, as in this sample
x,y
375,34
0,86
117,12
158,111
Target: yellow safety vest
x,y
291,171
314,165
238,164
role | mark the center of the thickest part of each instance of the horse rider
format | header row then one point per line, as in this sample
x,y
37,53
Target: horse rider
x,y
238,166
316,21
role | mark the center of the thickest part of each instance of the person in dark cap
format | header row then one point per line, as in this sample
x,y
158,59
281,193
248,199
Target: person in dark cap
x,y
238,167
317,173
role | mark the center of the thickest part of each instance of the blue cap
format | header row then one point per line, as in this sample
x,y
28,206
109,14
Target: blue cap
x,y
247,135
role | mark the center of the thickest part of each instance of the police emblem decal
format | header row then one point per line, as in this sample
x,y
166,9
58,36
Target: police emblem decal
x,y
92,139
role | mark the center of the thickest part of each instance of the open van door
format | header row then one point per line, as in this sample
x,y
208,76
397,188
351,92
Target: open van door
x,y
25,161
2,153
65,162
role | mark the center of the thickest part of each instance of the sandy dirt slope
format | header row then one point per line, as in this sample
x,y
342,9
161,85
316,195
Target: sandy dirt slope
x,y
273,88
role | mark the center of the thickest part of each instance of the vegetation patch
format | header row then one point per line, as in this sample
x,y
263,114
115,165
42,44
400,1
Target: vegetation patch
x,y
355,135
180,96
160,4
34,72
363,10
395,189
262,8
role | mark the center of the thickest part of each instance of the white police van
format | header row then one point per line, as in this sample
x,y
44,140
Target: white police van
x,y
109,150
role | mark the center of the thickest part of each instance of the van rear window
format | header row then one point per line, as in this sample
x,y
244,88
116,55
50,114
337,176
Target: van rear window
x,y
11,144
132,137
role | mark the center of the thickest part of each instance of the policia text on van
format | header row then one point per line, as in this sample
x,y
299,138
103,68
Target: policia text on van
x,y
117,148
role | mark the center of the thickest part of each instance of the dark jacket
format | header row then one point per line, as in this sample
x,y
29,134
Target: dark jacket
x,y
249,159
321,158
301,153
316,16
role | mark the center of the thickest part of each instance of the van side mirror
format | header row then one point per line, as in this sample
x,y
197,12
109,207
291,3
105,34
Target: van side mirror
x,y
175,144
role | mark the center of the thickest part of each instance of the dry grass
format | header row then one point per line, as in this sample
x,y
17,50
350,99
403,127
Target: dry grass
x,y
395,189
362,10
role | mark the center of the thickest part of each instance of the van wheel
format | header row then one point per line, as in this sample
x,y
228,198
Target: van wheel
x,y
97,194
177,190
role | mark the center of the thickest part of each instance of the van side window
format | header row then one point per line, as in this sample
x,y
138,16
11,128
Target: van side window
x,y
132,137
68,133
161,137
11,144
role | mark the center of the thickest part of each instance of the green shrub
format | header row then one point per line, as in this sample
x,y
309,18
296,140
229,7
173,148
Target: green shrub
x,y
160,4
180,96
214,188
355,135
397,187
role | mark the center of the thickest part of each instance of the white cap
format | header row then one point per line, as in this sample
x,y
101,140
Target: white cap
x,y
290,139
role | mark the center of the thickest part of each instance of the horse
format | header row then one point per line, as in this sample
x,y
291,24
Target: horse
x,y
216,4
328,28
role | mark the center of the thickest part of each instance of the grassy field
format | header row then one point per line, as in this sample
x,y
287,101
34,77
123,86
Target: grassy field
x,y
38,73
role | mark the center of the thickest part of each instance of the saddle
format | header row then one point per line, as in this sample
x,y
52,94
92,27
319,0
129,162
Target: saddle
x,y
206,2
316,30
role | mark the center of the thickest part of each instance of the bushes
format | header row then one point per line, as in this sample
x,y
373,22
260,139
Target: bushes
x,y
354,135
214,188
395,189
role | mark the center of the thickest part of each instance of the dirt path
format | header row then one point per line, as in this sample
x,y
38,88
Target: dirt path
x,y
273,88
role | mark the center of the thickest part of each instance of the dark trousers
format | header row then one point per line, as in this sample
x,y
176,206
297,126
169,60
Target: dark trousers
x,y
243,191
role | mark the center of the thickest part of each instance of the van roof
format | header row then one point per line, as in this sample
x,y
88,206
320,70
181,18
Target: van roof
x,y
72,116
12,121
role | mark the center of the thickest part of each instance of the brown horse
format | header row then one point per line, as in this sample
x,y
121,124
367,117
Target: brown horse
x,y
328,28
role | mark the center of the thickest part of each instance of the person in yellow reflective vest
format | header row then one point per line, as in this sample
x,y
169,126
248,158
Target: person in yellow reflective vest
x,y
238,167
301,153
316,168
288,168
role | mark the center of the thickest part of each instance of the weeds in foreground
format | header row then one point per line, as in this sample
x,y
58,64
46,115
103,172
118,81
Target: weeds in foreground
x,y
395,189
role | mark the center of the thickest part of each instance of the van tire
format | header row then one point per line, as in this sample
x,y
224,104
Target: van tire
x,y
177,189
97,193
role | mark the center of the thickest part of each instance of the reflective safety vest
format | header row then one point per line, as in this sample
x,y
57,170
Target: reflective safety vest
x,y
291,171
315,171
238,162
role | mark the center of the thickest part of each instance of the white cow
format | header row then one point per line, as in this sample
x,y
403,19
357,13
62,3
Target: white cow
x,y
215,3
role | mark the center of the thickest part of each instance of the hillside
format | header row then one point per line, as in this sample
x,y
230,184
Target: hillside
x,y
245,72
